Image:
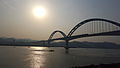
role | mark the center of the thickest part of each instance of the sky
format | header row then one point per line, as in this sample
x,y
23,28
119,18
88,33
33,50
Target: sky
x,y
17,19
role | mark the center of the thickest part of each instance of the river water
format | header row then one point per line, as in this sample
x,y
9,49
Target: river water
x,y
40,57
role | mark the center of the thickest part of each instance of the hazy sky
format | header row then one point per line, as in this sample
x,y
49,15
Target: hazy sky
x,y
17,19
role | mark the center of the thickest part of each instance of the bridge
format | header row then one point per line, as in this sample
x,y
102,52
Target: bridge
x,y
111,33
97,27
88,28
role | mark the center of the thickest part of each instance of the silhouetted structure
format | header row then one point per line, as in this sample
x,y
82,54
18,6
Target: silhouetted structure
x,y
102,30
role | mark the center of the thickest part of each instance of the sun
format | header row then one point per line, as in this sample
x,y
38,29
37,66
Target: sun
x,y
39,12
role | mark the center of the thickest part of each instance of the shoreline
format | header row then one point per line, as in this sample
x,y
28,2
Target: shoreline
x,y
112,65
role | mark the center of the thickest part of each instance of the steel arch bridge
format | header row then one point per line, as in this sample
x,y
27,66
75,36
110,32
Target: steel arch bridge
x,y
53,33
88,21
69,36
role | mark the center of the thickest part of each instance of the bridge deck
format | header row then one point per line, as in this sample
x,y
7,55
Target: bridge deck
x,y
111,33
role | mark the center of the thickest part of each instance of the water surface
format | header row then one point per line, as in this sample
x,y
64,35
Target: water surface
x,y
40,57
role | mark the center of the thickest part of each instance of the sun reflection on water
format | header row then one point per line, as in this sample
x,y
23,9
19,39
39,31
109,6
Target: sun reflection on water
x,y
38,57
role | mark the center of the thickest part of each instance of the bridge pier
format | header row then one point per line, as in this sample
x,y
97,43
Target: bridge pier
x,y
48,42
67,47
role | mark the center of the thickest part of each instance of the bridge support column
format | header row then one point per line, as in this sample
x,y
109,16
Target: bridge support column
x,y
67,47
48,42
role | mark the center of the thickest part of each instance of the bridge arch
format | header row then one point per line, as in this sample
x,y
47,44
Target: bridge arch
x,y
89,20
53,33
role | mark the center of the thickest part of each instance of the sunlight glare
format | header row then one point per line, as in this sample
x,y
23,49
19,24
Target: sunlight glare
x,y
39,48
39,12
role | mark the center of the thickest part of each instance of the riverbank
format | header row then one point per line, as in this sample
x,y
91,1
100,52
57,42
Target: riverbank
x,y
113,65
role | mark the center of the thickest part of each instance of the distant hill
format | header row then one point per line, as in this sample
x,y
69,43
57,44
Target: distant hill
x,y
4,40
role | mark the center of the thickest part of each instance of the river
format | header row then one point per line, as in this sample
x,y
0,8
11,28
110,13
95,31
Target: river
x,y
41,57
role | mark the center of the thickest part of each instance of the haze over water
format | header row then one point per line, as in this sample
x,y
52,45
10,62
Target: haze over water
x,y
30,20
36,19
